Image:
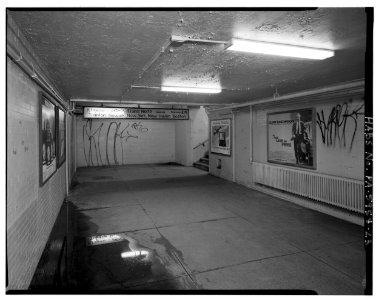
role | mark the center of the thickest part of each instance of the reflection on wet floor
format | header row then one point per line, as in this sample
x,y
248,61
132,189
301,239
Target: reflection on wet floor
x,y
195,232
109,262
104,259
115,262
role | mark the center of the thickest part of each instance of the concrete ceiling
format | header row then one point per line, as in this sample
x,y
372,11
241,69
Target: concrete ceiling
x,y
100,54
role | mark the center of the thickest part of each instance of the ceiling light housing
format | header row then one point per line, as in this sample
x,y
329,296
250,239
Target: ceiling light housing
x,y
278,49
182,89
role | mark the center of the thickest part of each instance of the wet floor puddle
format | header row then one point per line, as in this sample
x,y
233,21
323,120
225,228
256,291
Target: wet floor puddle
x,y
116,261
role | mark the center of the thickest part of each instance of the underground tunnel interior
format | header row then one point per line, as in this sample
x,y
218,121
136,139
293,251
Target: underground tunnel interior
x,y
145,153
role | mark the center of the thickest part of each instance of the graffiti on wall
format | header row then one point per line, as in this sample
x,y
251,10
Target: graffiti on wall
x,y
334,127
112,137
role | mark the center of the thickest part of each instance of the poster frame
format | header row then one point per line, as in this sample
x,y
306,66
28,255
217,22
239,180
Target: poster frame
x,y
58,150
230,137
314,141
44,97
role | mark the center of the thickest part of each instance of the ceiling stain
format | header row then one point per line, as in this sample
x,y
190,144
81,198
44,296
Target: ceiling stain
x,y
268,27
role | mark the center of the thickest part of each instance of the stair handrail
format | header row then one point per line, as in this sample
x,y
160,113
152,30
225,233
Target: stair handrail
x,y
201,144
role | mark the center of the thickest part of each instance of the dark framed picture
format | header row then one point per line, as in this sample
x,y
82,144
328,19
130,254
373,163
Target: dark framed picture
x,y
61,136
47,137
291,138
220,137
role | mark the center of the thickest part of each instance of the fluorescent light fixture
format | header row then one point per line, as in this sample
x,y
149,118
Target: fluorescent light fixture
x,y
183,89
279,49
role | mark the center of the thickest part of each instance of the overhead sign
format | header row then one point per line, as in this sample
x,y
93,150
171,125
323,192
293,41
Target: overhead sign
x,y
135,113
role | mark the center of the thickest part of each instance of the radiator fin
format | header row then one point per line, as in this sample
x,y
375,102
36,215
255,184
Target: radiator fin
x,y
342,192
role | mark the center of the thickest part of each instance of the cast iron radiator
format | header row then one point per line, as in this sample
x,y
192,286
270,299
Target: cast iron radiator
x,y
342,192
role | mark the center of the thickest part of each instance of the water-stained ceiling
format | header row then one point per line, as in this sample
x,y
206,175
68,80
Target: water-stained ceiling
x,y
100,54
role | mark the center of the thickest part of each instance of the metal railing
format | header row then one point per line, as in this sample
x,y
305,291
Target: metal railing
x,y
201,144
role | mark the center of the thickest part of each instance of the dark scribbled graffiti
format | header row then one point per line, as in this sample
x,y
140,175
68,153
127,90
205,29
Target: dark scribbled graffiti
x,y
112,137
333,128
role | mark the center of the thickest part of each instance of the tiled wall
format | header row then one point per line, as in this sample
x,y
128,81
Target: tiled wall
x,y
120,142
31,210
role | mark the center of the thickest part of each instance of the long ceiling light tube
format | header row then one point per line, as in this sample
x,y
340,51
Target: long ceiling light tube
x,y
182,89
278,49
355,87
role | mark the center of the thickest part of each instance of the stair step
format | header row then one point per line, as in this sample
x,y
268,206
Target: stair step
x,y
201,166
204,160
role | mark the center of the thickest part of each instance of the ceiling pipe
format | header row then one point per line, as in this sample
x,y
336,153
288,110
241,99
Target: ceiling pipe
x,y
16,56
154,58
180,39
145,87
25,58
176,39
356,85
144,102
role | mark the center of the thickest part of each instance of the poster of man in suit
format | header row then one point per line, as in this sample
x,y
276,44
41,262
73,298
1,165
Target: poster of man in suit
x,y
290,137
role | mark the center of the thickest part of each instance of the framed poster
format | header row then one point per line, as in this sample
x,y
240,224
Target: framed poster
x,y
47,138
220,137
61,136
291,138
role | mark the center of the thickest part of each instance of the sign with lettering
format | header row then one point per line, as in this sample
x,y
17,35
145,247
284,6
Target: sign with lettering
x,y
135,113
290,138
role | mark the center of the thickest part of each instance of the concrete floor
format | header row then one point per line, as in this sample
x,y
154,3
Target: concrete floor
x,y
202,232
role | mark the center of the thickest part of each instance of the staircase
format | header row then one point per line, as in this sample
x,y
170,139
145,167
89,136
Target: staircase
x,y
203,163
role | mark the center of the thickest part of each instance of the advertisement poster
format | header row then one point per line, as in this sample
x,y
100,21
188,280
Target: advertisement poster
x,y
220,136
48,161
61,133
290,138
